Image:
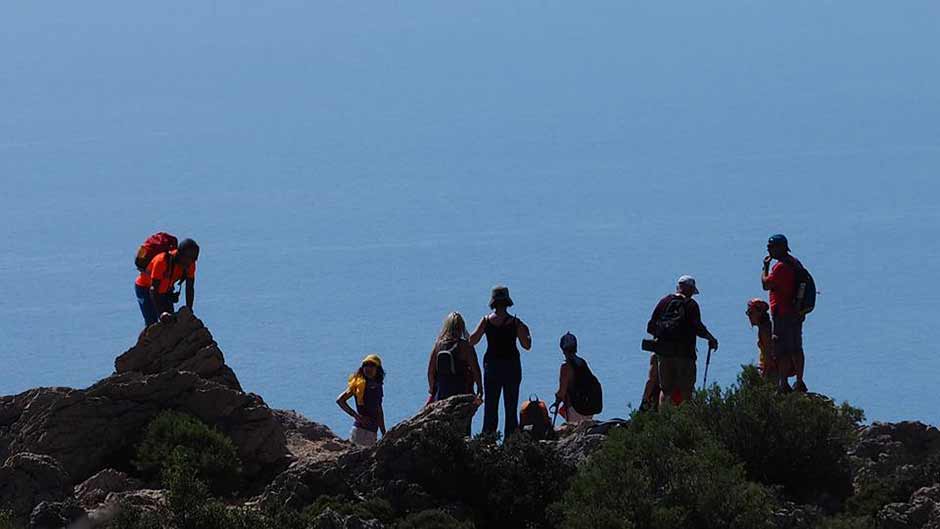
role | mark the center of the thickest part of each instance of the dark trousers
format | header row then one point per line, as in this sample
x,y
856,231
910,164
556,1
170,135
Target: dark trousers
x,y
147,309
501,376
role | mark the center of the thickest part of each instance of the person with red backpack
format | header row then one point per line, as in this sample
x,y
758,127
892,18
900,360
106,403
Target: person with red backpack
x,y
675,323
792,296
162,264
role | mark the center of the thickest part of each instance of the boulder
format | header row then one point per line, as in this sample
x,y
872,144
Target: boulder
x,y
95,490
184,344
28,479
922,512
57,515
308,440
886,449
84,429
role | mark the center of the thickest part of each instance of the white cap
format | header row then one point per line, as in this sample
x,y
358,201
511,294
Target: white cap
x,y
688,281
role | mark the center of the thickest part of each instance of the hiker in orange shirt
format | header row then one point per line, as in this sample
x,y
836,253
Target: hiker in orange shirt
x,y
154,285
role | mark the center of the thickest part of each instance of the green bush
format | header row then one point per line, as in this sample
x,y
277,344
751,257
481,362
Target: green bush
x,y
176,439
512,483
661,472
370,509
433,519
795,441
6,519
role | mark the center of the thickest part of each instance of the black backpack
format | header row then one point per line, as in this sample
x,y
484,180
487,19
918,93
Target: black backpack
x,y
673,323
587,397
804,297
447,362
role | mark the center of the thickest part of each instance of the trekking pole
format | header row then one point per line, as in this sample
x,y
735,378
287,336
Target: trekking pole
x,y
708,360
555,415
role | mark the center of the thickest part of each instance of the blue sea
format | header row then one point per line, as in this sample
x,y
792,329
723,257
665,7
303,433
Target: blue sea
x,y
355,171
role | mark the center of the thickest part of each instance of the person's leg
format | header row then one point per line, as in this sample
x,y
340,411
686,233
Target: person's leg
x,y
687,375
667,379
491,390
511,407
147,310
651,391
799,361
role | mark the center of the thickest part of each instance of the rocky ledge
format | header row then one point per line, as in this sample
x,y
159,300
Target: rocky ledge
x,y
63,450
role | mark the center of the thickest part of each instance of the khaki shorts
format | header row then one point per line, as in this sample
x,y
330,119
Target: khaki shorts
x,y
363,437
676,372
575,417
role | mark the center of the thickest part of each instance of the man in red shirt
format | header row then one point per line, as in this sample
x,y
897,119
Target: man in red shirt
x,y
155,284
788,322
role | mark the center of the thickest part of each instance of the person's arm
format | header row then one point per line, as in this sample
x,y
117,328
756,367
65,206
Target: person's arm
x,y
522,332
695,318
343,402
562,384
382,419
190,292
765,337
475,370
477,334
432,369
766,277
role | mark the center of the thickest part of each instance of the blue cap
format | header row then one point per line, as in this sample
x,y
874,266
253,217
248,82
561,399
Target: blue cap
x,y
778,240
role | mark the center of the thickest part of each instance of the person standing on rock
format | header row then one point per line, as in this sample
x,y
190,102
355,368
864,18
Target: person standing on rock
x,y
453,368
502,365
154,285
675,323
366,386
781,282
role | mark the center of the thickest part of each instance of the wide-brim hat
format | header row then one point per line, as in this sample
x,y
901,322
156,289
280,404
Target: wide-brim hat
x,y
500,296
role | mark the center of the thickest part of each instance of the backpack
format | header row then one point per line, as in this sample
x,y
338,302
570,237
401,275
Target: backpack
x,y
447,362
804,298
533,418
587,396
154,245
674,320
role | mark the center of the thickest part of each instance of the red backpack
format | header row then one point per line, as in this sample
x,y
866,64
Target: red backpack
x,y
152,247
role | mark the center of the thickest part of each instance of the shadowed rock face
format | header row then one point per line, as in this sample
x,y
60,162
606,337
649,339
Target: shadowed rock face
x,y
27,479
174,366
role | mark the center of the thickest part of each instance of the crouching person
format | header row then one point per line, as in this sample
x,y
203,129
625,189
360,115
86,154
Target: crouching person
x,y
579,391
366,386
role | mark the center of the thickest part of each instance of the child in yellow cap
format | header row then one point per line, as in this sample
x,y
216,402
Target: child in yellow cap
x,y
366,386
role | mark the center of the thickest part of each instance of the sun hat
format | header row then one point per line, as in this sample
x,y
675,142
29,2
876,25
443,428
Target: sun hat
x,y
688,281
500,295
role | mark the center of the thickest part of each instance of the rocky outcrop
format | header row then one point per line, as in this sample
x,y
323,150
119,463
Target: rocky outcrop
x,y
28,479
95,490
922,512
184,344
330,519
893,451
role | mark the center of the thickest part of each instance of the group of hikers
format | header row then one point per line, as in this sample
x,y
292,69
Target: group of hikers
x,y
454,368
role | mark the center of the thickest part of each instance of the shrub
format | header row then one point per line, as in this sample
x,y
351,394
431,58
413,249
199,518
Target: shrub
x,y
795,441
433,519
6,519
370,509
513,483
176,439
661,472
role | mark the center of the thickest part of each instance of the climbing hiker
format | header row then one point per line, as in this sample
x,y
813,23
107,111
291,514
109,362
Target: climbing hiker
x,y
453,368
502,366
758,314
783,282
579,396
675,323
162,264
366,386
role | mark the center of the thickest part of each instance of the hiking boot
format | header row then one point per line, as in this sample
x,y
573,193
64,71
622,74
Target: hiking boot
x,y
800,387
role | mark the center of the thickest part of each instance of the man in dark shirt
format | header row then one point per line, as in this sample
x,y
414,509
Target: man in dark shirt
x,y
788,323
676,362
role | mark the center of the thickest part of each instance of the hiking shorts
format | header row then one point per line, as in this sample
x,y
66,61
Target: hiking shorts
x,y
788,335
363,437
676,372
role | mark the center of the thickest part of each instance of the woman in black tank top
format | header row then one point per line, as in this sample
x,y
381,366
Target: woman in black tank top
x,y
502,367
